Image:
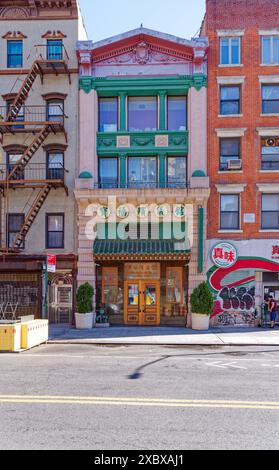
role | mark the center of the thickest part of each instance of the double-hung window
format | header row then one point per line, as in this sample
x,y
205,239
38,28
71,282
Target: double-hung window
x,y
15,222
15,54
270,154
54,231
54,49
230,51
20,115
55,111
229,100
270,50
229,151
55,165
108,172
270,211
177,172
12,160
270,99
229,211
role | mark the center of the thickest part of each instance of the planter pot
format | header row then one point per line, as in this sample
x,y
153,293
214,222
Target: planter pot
x,y
200,322
85,321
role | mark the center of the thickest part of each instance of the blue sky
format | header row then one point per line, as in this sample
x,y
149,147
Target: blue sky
x,y
110,17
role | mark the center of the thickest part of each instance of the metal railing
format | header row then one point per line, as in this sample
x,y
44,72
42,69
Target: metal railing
x,y
51,52
34,114
34,172
141,185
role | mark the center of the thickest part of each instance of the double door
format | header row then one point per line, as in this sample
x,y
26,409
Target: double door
x,y
142,302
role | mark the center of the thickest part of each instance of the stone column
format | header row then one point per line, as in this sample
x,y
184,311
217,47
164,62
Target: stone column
x,y
197,125
88,122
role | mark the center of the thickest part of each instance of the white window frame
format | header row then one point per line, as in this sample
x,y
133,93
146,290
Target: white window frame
x,y
271,37
230,38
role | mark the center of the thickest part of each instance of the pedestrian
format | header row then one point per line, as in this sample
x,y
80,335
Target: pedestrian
x,y
272,310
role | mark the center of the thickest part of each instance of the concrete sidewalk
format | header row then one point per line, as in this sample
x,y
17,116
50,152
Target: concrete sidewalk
x,y
228,336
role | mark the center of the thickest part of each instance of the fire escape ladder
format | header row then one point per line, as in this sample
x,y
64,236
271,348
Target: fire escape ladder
x,y
29,152
31,216
23,92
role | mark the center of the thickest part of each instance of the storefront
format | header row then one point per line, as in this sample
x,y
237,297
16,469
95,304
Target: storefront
x,y
241,274
143,289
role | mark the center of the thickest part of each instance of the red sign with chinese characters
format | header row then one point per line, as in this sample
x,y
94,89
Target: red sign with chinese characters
x,y
224,255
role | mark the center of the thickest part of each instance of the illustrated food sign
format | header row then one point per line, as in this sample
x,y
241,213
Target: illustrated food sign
x,y
224,255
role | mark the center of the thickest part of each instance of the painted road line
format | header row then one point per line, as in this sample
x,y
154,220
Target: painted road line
x,y
118,401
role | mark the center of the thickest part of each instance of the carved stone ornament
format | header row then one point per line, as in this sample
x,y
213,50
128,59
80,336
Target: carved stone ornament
x,y
123,141
142,52
14,12
54,35
161,141
14,35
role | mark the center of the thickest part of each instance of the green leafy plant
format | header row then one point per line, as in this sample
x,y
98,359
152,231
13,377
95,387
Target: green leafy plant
x,y
85,298
202,300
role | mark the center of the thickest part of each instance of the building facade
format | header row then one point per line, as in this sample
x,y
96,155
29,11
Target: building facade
x,y
243,156
38,131
142,189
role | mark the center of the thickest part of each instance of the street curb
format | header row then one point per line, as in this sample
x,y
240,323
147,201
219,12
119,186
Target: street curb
x,y
90,343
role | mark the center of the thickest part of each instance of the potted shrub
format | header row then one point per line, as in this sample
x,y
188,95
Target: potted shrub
x,y
85,317
202,303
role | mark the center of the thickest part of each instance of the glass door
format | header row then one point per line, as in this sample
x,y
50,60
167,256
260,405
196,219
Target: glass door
x,y
142,303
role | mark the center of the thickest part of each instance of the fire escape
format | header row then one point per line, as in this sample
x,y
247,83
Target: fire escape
x,y
38,124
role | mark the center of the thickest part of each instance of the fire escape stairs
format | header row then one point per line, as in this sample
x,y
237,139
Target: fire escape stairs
x,y
31,216
23,92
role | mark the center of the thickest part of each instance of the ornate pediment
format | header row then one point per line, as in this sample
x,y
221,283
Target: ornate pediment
x,y
14,35
54,35
142,53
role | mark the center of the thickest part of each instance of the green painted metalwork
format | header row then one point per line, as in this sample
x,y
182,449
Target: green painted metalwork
x,y
142,143
162,117
123,118
140,86
118,247
201,240
85,175
122,170
198,174
162,169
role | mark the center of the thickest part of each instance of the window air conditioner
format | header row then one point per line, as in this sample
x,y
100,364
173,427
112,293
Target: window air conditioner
x,y
234,164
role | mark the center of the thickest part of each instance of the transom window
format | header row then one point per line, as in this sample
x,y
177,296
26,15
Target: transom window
x,y
142,172
15,54
230,52
270,99
270,153
142,114
229,211
177,172
108,172
270,211
229,100
177,113
54,230
270,49
229,151
108,114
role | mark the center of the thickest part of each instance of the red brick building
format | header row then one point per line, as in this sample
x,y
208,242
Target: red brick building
x,y
243,155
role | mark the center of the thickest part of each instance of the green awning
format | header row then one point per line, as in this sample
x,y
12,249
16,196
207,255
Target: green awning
x,y
138,249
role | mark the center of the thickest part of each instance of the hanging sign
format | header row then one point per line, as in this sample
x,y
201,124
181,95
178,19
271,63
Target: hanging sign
x,y
51,263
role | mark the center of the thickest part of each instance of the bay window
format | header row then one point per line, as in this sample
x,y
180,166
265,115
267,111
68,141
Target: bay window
x,y
108,172
177,113
177,172
108,114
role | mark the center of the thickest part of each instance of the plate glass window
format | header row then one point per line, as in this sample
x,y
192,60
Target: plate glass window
x,y
270,99
270,50
55,230
229,100
177,172
15,54
108,114
229,150
54,49
230,51
177,113
229,214
270,211
142,172
142,114
108,172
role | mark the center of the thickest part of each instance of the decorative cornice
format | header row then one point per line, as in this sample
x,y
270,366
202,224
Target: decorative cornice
x,y
180,83
54,96
14,35
54,35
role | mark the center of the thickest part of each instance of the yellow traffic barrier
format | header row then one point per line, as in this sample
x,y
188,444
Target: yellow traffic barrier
x,y
34,333
10,337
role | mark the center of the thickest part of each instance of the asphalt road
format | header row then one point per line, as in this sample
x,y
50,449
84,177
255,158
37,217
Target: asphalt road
x,y
139,397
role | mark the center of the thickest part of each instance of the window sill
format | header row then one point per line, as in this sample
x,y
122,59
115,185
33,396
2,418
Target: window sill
x,y
230,65
269,115
230,231
269,65
230,115
269,230
228,172
269,171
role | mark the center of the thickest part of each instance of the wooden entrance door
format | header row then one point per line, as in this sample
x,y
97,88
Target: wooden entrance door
x,y
142,303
